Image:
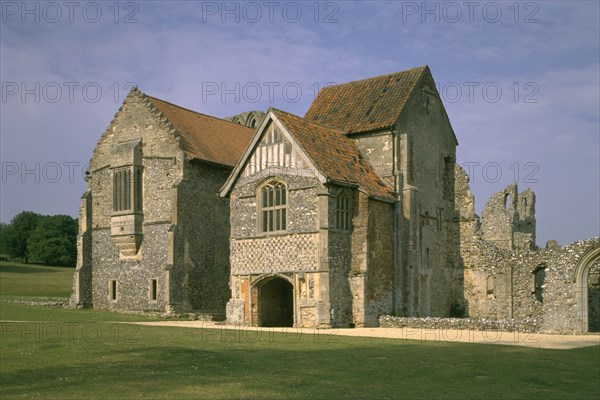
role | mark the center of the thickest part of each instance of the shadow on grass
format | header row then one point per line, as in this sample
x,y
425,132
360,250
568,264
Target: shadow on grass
x,y
303,369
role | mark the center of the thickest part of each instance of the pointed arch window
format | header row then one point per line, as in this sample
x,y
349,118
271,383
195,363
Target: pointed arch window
x,y
273,210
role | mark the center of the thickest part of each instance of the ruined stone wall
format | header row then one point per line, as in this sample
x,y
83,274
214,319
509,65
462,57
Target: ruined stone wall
x,y
503,285
508,219
430,325
251,119
506,278
559,304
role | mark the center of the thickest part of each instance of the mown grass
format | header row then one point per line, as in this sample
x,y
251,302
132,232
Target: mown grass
x,y
18,280
78,354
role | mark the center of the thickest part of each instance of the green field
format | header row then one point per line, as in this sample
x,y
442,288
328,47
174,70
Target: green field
x,y
24,280
63,353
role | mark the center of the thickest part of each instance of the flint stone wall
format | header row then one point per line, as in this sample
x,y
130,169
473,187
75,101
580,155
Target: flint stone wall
x,y
481,324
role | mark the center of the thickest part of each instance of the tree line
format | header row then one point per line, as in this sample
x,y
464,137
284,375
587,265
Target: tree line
x,y
48,239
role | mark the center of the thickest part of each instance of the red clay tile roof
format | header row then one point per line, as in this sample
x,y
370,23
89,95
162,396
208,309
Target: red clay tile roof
x,y
204,137
365,105
335,155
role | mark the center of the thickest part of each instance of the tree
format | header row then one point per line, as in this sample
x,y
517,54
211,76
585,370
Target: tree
x,y
3,231
54,240
16,235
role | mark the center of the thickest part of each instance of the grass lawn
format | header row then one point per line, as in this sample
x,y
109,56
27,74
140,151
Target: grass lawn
x,y
63,353
17,280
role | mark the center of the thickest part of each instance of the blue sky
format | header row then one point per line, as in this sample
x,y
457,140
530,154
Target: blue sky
x,y
520,82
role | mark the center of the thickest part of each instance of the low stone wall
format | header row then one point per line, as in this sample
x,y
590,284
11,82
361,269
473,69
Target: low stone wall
x,y
38,301
482,324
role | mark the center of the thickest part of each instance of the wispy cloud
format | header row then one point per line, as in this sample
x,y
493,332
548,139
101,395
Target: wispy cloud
x,y
175,48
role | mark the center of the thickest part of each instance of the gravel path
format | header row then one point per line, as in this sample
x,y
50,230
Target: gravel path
x,y
539,340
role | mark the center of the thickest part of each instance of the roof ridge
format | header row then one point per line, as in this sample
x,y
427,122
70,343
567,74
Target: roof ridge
x,y
422,67
150,98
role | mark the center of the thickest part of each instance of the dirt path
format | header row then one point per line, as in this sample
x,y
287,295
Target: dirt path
x,y
539,340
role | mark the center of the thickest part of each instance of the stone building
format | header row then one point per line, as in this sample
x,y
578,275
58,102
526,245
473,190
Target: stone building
x,y
353,211
363,223
153,233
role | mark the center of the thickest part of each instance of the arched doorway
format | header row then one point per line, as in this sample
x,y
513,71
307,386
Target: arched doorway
x,y
276,303
588,290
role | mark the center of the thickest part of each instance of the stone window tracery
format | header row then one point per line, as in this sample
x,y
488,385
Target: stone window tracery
x,y
273,207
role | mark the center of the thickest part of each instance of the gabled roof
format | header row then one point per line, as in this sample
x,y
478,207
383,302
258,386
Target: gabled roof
x,y
334,155
204,137
365,105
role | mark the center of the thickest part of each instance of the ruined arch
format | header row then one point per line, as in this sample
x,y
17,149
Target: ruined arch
x,y
507,200
274,303
251,122
582,272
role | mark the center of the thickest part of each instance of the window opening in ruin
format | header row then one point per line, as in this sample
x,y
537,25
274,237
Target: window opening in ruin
x,y
539,276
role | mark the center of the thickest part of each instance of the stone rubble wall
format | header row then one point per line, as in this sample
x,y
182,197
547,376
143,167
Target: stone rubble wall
x,y
499,260
508,325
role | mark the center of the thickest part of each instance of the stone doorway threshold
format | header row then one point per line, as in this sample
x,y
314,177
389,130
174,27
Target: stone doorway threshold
x,y
536,340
